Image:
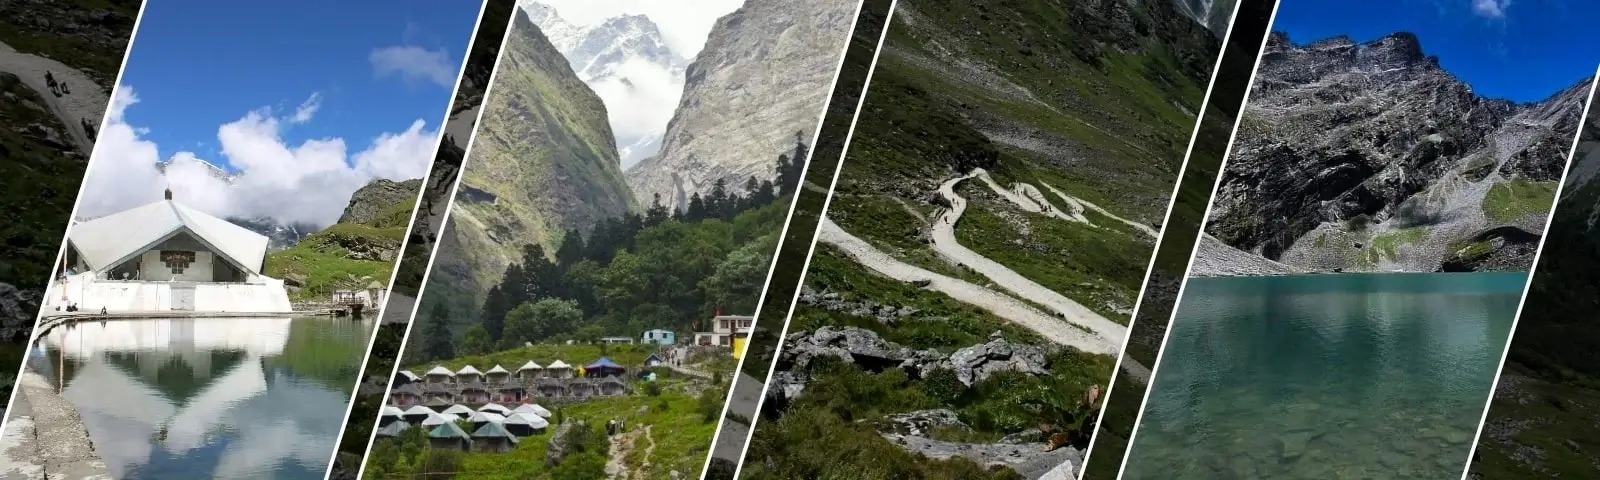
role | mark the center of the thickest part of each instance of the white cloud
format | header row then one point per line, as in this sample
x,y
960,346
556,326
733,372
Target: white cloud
x,y
1491,9
684,24
310,182
640,100
307,109
415,64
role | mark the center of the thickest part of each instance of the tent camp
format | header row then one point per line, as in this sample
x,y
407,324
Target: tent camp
x,y
493,438
449,436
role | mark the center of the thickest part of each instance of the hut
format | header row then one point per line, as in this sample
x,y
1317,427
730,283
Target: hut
x,y
459,409
392,430
474,392
653,360
530,371
468,374
660,337
525,424
610,386
558,369
416,414
532,408
581,388
449,436
496,408
404,377
390,414
436,403
438,419
493,438
496,375
509,393
484,418
603,368
406,395
549,387
438,392
439,374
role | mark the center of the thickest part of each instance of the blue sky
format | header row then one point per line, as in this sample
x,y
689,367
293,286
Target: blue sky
x,y
305,101
1521,50
199,64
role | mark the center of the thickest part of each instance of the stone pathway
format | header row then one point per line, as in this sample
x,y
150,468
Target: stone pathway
x,y
46,439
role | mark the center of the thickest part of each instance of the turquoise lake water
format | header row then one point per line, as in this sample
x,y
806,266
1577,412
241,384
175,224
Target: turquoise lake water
x,y
1325,376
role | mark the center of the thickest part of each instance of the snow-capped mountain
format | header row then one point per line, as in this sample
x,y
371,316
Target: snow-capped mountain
x,y
624,60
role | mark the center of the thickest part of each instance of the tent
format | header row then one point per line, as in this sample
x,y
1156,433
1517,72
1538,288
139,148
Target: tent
x,y
604,367
530,370
439,374
498,374
417,413
532,408
439,419
459,409
493,437
496,408
392,429
524,424
449,436
483,418
390,414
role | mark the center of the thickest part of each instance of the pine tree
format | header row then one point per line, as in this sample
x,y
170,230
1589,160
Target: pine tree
x,y
571,250
719,205
697,209
437,339
657,213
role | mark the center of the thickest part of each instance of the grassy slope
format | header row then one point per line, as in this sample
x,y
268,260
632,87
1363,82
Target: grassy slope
x,y
1556,406
322,257
42,177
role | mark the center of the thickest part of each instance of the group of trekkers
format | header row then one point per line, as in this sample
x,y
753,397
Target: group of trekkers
x,y
614,427
59,89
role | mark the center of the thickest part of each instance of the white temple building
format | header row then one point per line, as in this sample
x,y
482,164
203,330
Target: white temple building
x,y
166,256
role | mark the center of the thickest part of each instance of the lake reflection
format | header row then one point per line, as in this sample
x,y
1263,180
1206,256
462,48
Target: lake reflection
x,y
227,398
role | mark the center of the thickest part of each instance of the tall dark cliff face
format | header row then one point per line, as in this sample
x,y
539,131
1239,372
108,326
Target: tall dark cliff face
x,y
543,160
1369,156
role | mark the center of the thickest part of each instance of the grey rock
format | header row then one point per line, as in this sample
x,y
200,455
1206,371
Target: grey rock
x,y
976,363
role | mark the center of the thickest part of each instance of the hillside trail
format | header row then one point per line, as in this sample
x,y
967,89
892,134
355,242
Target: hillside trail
x,y
621,446
87,100
944,242
1001,305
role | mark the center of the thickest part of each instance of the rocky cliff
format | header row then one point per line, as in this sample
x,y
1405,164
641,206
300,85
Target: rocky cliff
x,y
543,161
763,76
1216,15
1370,157
382,201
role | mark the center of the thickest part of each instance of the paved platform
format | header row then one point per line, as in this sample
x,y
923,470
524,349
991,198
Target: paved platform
x,y
45,438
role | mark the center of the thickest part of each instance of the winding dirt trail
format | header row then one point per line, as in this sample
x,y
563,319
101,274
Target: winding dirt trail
x,y
1004,306
944,241
87,101
1081,204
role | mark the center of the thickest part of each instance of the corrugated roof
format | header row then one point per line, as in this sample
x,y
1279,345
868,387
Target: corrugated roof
x,y
106,241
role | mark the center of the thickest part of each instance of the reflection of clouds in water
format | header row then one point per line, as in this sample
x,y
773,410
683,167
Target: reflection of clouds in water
x,y
270,417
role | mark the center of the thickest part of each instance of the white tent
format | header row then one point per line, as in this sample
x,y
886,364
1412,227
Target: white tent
x,y
558,365
435,420
496,408
497,369
107,241
490,417
532,408
440,370
419,410
531,420
530,366
468,370
410,376
391,411
459,409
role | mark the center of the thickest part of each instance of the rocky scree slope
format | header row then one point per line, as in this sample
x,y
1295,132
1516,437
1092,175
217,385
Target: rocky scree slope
x,y
762,78
543,161
1370,157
